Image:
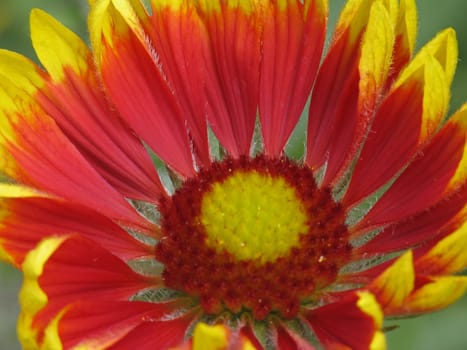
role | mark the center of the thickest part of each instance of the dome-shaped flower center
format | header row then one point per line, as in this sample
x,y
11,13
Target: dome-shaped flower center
x,y
252,235
253,216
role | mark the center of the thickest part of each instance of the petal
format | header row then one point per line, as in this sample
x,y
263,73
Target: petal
x,y
424,181
76,102
444,48
27,217
408,116
63,270
181,43
437,221
234,29
395,284
10,191
127,62
90,325
210,337
65,49
287,340
460,177
437,294
292,44
352,323
405,38
13,67
41,156
448,256
216,337
164,334
347,86
32,297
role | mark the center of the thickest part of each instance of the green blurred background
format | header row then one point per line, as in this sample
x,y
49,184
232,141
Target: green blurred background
x,y
445,330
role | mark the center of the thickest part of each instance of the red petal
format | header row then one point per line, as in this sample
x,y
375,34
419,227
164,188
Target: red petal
x,y
345,324
233,74
292,44
334,101
434,222
160,335
181,43
423,182
289,341
29,220
391,142
82,112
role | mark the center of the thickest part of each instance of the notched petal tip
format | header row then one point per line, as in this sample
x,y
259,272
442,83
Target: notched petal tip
x,y
445,49
406,26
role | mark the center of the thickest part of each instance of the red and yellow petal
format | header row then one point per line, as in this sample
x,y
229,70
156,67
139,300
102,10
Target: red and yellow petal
x,y
292,45
128,62
362,311
37,150
442,50
410,286
63,270
18,69
460,176
210,337
73,98
394,285
65,49
88,325
217,337
10,191
437,293
408,117
28,216
405,38
32,297
448,256
343,99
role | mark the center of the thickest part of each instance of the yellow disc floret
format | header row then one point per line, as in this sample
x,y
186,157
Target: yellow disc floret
x,y
253,216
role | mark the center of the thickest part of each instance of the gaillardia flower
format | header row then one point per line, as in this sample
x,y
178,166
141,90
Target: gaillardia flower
x,y
151,190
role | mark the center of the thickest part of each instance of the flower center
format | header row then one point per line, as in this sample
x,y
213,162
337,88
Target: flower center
x,y
252,235
253,216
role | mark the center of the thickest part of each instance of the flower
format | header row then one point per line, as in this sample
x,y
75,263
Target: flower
x,y
152,192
